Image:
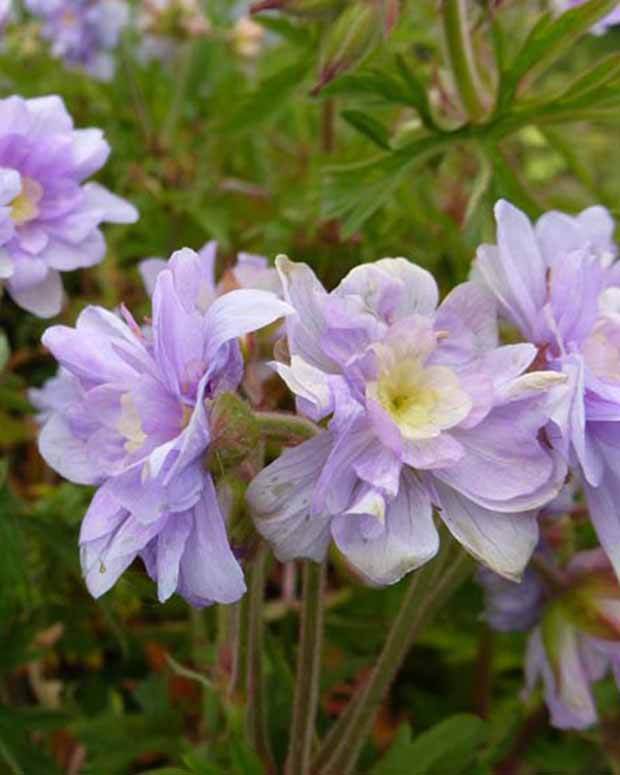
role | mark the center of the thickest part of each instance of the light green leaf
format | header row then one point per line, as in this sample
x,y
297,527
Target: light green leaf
x,y
547,42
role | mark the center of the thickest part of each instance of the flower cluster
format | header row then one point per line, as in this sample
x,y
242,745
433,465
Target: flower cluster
x,y
410,410
49,217
83,33
131,413
557,283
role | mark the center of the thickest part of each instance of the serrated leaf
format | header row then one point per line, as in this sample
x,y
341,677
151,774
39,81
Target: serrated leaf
x,y
547,41
353,192
272,95
369,127
417,93
450,746
600,75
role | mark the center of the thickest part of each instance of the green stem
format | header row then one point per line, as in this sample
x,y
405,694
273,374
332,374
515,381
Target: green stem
x,y
427,591
280,426
308,671
256,719
461,59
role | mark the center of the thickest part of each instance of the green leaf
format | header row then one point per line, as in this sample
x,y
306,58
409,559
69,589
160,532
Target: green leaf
x,y
369,127
417,94
449,747
601,74
353,192
272,96
548,41
507,185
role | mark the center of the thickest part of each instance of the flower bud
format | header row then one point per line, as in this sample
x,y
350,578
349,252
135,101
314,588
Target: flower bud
x,y
235,432
593,605
356,32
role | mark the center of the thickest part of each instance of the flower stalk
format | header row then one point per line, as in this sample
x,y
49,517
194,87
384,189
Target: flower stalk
x,y
308,670
462,60
256,717
428,590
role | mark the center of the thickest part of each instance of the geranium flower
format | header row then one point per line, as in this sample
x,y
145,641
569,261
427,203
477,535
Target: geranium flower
x,y
426,411
575,631
135,420
50,218
555,281
83,33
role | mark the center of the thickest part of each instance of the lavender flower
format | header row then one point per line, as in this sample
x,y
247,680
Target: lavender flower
x,y
556,283
6,13
426,410
49,219
83,33
131,413
250,271
575,640
601,26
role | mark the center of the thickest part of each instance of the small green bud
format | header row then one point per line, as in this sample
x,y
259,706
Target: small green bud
x,y
356,33
235,432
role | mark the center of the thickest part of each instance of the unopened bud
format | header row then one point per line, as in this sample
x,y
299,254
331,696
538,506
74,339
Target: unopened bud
x,y
307,9
235,433
356,33
593,605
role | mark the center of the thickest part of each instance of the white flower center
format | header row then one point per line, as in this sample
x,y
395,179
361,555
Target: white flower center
x,y
130,425
24,207
602,351
422,400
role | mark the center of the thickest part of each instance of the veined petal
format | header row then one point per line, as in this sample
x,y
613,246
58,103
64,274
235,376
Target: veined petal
x,y
280,500
209,570
502,542
409,539
240,312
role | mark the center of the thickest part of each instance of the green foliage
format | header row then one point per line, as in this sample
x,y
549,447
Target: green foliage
x,y
384,161
450,746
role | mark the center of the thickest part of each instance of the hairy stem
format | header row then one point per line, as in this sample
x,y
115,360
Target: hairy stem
x,y
256,718
461,59
428,590
308,671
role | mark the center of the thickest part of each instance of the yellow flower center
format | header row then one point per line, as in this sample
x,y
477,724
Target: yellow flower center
x,y
421,400
24,207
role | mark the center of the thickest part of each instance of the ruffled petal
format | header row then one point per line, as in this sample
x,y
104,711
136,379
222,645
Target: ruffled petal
x,y
409,539
280,501
209,570
503,542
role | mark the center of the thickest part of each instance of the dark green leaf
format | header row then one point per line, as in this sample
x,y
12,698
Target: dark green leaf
x,y
369,127
449,747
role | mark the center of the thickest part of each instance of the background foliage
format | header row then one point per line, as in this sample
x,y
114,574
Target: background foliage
x,y
217,145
